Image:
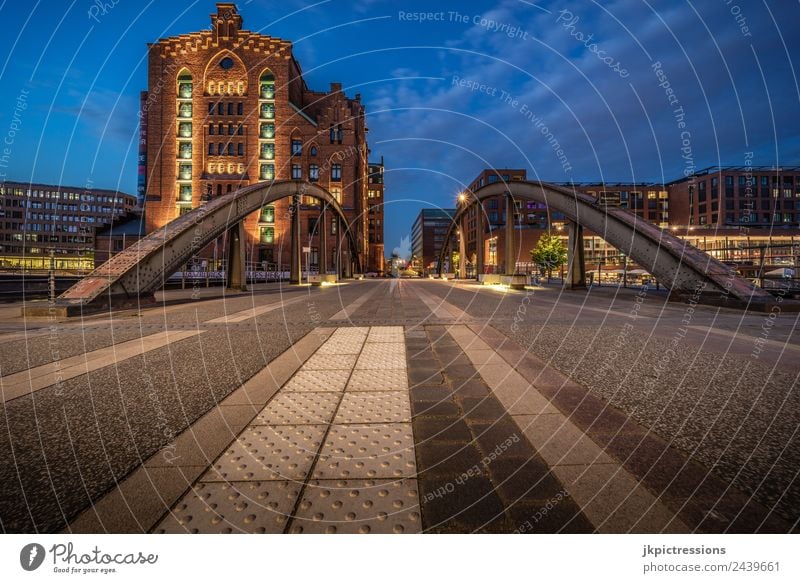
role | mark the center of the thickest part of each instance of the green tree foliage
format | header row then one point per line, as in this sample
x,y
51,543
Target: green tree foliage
x,y
550,253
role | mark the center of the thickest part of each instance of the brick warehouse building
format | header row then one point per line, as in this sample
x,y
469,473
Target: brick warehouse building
x,y
227,108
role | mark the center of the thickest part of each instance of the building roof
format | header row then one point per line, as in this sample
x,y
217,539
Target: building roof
x,y
131,224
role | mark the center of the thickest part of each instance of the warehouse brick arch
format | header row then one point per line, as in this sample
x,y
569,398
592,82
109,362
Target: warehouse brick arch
x,y
144,267
680,266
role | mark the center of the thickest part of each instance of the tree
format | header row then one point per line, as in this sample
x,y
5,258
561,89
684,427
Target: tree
x,y
550,253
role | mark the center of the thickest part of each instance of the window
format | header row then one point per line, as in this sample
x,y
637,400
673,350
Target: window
x,y
334,225
339,134
333,134
221,129
220,108
185,129
186,150
230,129
267,172
240,108
240,151
267,235
267,86
230,108
211,149
297,147
267,152
336,172
211,130
267,131
297,172
336,193
492,179
226,63
211,109
313,172
268,214
313,151
185,110
240,130
267,111
220,149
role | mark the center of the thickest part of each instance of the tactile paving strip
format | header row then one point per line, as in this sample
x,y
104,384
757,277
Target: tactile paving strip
x,y
374,407
349,334
367,451
317,381
358,506
378,380
269,453
299,409
221,508
330,362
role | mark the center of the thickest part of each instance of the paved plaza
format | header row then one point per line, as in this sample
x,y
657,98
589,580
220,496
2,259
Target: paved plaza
x,y
401,406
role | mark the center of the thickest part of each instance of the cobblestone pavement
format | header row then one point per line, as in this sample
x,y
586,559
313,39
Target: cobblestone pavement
x,y
401,406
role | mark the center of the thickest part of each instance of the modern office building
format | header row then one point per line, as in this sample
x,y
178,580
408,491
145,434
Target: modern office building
x,y
40,221
375,211
427,237
228,107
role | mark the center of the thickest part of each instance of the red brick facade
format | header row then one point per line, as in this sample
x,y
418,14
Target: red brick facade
x,y
227,108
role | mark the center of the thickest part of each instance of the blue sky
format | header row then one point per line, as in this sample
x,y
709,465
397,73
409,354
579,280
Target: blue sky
x,y
469,85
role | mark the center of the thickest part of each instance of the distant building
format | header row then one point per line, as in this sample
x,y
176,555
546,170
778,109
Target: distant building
x,y
744,196
375,210
39,219
118,236
427,237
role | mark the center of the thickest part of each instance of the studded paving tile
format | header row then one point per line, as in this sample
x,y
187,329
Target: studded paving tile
x,y
374,407
386,334
269,453
378,380
358,506
380,350
367,451
341,347
220,508
381,360
317,381
299,409
330,362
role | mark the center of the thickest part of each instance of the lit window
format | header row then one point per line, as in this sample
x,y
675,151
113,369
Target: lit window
x,y
268,235
267,131
267,172
268,214
336,193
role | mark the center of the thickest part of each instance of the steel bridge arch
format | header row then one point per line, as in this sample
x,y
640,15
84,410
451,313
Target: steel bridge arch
x,y
144,266
679,265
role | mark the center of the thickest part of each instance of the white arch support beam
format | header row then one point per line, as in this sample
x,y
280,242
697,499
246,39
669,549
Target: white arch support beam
x,y
144,267
683,268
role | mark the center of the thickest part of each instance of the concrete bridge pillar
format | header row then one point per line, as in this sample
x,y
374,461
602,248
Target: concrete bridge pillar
x,y
478,240
462,250
235,269
576,264
511,240
295,262
323,240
